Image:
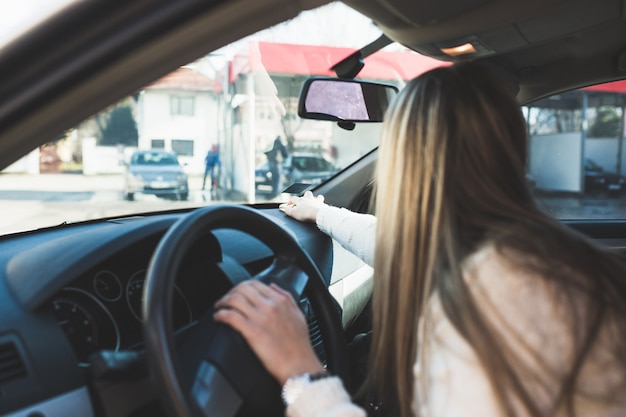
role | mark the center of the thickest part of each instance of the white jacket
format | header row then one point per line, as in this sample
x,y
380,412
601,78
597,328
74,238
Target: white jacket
x,y
449,381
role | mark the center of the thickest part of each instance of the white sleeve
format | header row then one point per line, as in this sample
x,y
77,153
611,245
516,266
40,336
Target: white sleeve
x,y
356,232
324,398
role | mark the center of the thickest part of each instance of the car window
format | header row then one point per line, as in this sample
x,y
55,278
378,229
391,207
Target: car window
x,y
319,164
224,114
154,158
230,118
299,163
577,160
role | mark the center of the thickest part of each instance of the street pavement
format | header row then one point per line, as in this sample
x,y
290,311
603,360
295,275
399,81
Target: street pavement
x,y
571,207
34,201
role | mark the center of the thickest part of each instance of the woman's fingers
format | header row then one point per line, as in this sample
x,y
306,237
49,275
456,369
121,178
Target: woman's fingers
x,y
258,302
303,208
243,298
271,322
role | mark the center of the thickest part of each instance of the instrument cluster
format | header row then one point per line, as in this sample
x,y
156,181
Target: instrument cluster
x,y
102,310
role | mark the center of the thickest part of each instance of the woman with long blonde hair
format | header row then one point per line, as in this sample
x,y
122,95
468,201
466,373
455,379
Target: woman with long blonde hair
x,y
483,305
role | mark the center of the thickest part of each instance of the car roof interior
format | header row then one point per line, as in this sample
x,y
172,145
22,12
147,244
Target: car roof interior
x,y
552,39
544,46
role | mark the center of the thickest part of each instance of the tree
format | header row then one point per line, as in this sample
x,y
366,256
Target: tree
x,y
120,127
607,123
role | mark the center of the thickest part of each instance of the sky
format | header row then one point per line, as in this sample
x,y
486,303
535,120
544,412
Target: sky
x,y
16,17
343,26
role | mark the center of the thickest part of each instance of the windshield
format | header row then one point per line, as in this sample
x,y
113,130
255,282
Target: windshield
x,y
228,121
153,158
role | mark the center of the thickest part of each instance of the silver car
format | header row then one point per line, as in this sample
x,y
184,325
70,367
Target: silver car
x,y
155,172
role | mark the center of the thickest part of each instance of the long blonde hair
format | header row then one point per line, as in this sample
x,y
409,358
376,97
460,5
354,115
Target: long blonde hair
x,y
451,177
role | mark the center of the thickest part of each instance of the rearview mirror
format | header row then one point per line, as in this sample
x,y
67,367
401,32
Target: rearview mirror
x,y
344,100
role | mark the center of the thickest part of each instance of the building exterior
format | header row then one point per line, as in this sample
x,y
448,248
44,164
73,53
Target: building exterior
x,y
564,134
264,84
179,113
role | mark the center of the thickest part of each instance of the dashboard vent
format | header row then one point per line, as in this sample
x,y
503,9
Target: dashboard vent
x,y
316,340
11,364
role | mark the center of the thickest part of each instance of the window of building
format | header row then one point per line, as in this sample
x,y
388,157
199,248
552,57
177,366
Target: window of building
x,y
157,143
182,147
182,105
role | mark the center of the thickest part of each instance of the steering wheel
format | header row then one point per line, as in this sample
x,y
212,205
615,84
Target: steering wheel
x,y
212,371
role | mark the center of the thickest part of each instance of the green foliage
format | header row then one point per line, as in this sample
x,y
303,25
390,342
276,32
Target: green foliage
x,y
607,124
120,127
57,139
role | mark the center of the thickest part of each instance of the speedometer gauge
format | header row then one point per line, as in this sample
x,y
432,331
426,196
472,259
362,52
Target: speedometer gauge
x,y
78,325
107,285
88,325
134,298
134,293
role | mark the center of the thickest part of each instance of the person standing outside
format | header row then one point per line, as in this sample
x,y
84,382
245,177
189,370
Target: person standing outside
x,y
211,167
278,149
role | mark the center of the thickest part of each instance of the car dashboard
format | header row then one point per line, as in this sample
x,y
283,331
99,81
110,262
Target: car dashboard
x,y
74,290
71,300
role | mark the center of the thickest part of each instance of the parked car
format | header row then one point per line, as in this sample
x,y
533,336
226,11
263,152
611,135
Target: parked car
x,y
597,180
263,176
105,306
155,172
306,168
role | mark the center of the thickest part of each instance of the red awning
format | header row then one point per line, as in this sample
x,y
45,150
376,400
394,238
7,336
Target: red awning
x,y
613,87
282,58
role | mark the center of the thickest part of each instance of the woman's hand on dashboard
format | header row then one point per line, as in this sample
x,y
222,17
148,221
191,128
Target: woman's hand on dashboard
x,y
303,208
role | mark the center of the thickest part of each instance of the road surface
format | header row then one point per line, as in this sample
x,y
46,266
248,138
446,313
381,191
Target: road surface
x,y
34,201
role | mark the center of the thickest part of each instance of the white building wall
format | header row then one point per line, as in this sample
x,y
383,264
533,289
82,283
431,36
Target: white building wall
x,y
603,151
352,145
156,121
28,164
555,161
104,159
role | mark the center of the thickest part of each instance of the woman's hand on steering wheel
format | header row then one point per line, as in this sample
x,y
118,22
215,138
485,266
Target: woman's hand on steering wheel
x,y
271,322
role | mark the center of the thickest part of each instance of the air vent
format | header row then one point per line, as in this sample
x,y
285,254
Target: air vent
x,y
315,333
11,364
316,340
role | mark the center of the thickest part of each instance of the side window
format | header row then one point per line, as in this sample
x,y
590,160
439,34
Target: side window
x,y
576,152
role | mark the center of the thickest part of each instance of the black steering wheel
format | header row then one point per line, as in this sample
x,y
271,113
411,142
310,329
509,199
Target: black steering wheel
x,y
212,371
